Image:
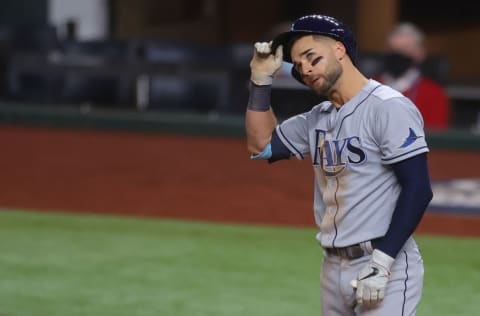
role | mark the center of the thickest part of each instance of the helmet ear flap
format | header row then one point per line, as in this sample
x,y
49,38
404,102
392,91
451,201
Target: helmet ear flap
x,y
297,75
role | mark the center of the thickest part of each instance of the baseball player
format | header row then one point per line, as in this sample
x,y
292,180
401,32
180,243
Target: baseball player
x,y
369,157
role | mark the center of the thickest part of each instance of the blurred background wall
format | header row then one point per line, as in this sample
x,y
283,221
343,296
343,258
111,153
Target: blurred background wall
x,y
452,30
88,18
170,55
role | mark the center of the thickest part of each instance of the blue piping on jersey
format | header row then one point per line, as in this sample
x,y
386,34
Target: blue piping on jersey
x,y
335,216
408,152
283,135
336,190
406,279
341,123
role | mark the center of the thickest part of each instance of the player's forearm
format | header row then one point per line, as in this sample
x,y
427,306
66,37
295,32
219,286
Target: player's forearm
x,y
259,129
260,120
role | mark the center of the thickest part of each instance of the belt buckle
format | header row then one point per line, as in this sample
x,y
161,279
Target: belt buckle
x,y
354,252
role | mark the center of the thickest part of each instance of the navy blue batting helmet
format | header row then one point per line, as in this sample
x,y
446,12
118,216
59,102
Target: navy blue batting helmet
x,y
316,24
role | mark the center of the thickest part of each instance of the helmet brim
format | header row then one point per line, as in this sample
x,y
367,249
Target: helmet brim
x,y
285,39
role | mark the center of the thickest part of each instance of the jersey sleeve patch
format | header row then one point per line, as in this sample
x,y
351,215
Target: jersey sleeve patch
x,y
400,131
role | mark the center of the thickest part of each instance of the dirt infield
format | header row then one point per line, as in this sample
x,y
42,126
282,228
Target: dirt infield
x,y
177,176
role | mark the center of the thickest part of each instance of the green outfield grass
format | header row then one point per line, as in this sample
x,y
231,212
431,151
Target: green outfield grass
x,y
65,264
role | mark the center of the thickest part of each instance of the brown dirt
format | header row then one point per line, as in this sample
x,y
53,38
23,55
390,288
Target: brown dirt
x,y
177,176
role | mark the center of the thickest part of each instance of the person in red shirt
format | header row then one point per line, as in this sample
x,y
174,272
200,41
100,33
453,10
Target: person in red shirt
x,y
405,54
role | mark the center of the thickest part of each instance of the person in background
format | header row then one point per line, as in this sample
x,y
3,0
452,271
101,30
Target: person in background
x,y
405,54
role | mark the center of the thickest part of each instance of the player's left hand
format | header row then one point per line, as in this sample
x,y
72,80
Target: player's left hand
x,y
372,279
265,63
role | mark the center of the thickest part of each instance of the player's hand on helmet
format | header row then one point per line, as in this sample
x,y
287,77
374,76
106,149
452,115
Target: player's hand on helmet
x,y
372,279
264,64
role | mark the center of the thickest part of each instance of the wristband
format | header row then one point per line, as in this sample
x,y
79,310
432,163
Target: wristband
x,y
260,97
265,154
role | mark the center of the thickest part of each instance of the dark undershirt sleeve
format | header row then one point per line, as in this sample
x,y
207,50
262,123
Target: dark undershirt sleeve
x,y
279,150
414,197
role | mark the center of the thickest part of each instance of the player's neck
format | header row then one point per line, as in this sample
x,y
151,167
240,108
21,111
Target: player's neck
x,y
347,86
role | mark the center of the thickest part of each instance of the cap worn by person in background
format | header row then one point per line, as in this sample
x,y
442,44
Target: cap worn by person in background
x,y
405,54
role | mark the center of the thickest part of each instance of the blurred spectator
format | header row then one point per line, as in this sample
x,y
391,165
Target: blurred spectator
x,y
405,55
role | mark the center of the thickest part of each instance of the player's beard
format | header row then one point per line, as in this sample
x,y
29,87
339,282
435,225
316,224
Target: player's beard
x,y
330,78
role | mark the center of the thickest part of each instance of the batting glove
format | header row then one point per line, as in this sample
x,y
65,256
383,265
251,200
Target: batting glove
x,y
372,279
264,64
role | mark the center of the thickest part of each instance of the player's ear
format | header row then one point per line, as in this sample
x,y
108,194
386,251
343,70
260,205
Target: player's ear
x,y
340,50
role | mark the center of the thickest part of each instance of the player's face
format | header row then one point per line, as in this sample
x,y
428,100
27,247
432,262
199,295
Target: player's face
x,y
314,59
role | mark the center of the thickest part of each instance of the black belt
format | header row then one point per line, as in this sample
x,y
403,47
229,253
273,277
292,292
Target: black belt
x,y
351,252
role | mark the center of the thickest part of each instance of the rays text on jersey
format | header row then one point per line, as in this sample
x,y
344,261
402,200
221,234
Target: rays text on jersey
x,y
333,155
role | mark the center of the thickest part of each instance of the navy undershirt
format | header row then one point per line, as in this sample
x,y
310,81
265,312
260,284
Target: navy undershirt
x,y
279,150
415,194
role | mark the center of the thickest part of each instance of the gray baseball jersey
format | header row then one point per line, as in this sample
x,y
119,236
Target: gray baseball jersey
x,y
351,149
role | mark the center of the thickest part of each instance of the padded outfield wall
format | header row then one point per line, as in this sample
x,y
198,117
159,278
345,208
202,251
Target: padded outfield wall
x,y
191,166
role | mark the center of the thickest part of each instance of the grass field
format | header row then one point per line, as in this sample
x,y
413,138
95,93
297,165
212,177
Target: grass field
x,y
64,264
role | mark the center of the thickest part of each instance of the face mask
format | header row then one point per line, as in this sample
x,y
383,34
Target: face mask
x,y
396,64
